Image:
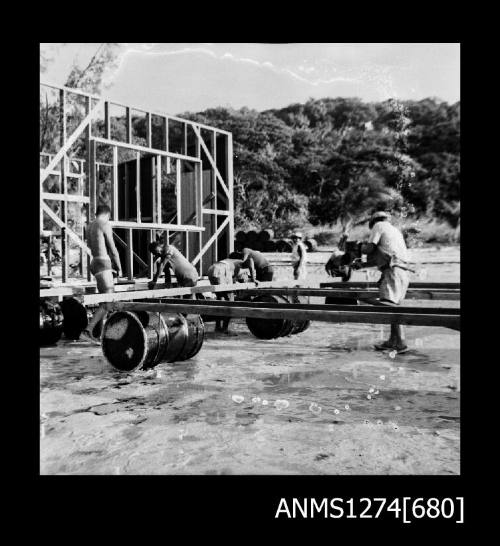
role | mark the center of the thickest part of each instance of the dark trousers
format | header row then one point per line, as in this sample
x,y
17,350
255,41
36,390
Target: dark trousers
x,y
265,274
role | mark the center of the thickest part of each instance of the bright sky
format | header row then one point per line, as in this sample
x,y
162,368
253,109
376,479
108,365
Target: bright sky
x,y
176,77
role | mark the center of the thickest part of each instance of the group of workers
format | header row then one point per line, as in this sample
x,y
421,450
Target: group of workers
x,y
385,248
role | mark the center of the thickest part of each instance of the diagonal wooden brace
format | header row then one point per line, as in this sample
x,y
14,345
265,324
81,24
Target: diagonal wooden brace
x,y
70,141
211,159
69,231
211,240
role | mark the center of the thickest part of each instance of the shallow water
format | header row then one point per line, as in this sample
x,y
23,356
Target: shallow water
x,y
350,410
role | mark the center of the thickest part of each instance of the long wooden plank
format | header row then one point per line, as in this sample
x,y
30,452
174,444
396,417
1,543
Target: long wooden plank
x,y
415,294
144,149
396,310
169,292
433,285
188,306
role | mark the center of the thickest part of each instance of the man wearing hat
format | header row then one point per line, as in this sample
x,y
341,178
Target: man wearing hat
x,y
386,249
299,257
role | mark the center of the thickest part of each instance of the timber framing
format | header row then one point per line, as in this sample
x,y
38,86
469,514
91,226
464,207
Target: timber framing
x,y
199,155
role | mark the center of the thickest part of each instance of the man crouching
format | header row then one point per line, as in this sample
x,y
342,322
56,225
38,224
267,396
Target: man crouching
x,y
169,259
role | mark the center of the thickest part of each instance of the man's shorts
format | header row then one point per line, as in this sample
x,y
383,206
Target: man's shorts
x,y
265,274
105,281
187,282
102,271
393,285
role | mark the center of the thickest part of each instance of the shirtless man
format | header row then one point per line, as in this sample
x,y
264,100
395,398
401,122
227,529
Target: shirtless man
x,y
169,258
105,262
224,272
260,268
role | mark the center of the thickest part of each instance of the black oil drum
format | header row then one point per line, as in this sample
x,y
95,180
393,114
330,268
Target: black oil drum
x,y
51,322
140,340
270,328
76,319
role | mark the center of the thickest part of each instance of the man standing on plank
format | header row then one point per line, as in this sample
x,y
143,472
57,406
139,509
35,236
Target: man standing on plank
x,y
260,268
386,248
299,257
224,272
105,263
169,258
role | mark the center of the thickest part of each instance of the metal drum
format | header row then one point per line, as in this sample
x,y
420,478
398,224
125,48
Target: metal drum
x,y
300,325
196,336
51,322
140,340
270,328
76,318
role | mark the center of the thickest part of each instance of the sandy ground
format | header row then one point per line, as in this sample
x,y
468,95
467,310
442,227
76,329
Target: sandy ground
x,y
347,409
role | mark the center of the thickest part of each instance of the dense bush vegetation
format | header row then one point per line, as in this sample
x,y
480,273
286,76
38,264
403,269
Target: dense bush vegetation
x,y
334,160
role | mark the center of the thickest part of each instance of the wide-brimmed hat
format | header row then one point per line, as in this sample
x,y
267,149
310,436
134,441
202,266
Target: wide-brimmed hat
x,y
380,214
297,235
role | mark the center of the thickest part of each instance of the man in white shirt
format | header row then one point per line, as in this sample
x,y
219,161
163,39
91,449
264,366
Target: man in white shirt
x,y
386,249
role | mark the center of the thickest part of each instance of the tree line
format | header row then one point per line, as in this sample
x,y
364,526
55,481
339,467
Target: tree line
x,y
335,159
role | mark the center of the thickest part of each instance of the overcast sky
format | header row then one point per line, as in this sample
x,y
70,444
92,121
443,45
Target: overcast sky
x,y
175,77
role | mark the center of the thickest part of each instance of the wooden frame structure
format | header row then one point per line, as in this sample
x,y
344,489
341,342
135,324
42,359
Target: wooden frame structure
x,y
197,155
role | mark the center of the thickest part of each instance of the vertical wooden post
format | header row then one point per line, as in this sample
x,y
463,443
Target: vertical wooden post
x,y
178,189
128,124
138,186
88,154
151,239
129,258
166,133
185,139
229,182
49,256
114,181
64,183
148,130
107,121
159,160
213,139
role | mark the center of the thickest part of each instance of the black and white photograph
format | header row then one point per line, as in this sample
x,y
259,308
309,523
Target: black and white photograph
x,y
249,259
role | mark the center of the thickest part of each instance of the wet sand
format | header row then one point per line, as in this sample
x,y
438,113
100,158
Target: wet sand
x,y
348,409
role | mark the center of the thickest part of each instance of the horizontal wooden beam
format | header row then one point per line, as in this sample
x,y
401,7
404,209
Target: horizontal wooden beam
x,y
428,285
169,292
62,197
145,149
151,225
366,308
285,312
416,294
